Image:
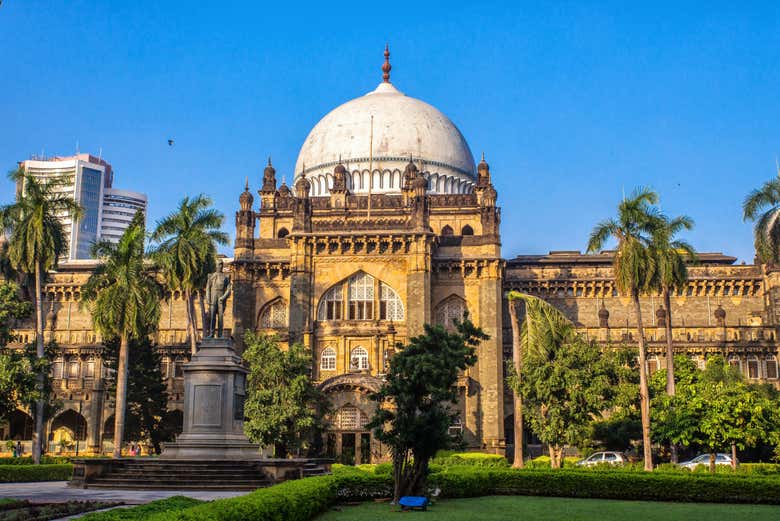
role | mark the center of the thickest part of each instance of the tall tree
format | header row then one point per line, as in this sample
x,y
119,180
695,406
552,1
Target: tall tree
x,y
542,328
762,206
37,241
186,250
17,381
147,396
123,296
414,403
284,408
673,256
636,271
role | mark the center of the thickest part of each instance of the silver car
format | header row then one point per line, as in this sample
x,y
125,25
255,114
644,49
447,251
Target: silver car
x,y
600,458
704,459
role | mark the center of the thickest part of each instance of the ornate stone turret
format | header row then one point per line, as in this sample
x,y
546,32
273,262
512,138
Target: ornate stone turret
x,y
245,224
483,173
302,210
268,192
284,190
419,201
339,192
487,199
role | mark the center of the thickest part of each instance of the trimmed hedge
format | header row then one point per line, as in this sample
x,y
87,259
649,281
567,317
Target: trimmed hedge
x,y
477,459
170,505
14,473
27,460
461,482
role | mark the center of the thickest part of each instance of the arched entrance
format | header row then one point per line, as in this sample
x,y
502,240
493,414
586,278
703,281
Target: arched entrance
x,y
20,425
347,438
67,429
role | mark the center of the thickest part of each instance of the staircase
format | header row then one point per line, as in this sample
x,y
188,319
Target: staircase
x,y
314,469
152,474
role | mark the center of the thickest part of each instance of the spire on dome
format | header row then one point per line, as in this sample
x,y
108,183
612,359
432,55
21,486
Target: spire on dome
x,y
386,67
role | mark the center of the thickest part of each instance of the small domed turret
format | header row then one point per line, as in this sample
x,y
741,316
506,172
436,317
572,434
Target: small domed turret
x,y
269,177
302,187
245,199
284,190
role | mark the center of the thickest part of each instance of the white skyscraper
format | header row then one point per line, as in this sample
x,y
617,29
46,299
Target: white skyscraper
x,y
88,180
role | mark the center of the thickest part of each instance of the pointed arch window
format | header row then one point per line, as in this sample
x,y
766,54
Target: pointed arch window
x,y
331,304
358,359
450,310
274,315
328,359
361,297
390,305
771,368
350,417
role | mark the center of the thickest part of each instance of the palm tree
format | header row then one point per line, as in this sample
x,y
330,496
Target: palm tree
x,y
636,272
186,251
36,242
763,206
672,256
123,297
543,327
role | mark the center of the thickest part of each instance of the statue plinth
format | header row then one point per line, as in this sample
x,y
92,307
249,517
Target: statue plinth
x,y
214,393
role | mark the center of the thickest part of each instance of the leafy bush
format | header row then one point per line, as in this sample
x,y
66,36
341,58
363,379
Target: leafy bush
x,y
543,462
470,482
172,504
478,459
27,460
12,473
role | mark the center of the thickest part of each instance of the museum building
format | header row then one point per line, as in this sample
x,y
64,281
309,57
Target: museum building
x,y
389,224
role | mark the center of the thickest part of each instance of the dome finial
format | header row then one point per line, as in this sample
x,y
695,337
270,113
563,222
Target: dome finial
x,y
246,184
386,67
269,160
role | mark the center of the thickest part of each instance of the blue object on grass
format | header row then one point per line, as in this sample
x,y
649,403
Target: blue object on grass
x,y
413,502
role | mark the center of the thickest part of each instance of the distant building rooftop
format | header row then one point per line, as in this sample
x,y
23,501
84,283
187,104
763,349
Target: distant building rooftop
x,y
577,258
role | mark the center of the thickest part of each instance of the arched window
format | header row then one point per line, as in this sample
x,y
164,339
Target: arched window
x,y
358,359
331,304
274,315
328,359
734,361
282,233
449,310
752,368
361,297
771,368
390,305
350,418
467,230
447,230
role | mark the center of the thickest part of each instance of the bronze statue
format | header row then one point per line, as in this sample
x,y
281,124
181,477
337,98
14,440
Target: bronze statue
x,y
217,291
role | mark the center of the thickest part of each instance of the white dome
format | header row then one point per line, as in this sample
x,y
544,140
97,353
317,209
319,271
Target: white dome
x,y
403,127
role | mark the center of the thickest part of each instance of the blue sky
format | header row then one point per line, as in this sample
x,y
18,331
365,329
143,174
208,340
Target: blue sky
x,y
572,102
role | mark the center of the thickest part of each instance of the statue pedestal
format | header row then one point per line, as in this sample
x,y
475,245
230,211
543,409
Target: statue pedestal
x,y
214,392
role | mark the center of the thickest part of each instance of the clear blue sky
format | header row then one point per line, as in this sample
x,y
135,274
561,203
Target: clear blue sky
x,y
571,102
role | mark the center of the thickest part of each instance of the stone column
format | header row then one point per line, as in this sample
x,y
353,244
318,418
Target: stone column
x,y
491,360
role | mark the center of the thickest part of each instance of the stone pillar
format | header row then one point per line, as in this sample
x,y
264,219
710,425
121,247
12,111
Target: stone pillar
x,y
491,360
214,391
300,291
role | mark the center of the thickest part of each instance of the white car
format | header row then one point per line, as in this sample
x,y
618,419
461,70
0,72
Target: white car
x,y
704,459
599,458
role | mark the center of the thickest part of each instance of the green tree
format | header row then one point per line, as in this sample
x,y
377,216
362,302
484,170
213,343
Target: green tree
x,y
17,379
636,271
542,328
762,206
123,296
284,408
414,410
186,250
147,395
37,241
673,256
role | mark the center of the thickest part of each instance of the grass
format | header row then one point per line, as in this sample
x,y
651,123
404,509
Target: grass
x,y
500,508
170,504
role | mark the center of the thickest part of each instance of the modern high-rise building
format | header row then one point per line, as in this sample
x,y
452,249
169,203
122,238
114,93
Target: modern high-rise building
x,y
119,208
88,179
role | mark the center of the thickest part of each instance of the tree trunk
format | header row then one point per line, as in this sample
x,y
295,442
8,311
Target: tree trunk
x,y
734,456
398,468
191,322
40,404
517,462
556,454
121,396
644,392
712,463
670,385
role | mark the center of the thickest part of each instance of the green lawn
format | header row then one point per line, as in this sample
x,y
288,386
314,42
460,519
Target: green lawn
x,y
525,508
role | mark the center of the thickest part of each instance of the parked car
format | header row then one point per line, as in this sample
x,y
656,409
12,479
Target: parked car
x,y
704,459
599,458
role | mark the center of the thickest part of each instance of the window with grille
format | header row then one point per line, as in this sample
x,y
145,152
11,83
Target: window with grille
x,y
331,304
361,297
771,368
328,359
350,417
73,369
390,305
752,368
89,369
652,364
734,362
274,316
358,359
449,311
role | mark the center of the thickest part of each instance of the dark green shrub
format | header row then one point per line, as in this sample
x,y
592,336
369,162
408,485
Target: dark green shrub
x,y
477,459
27,460
12,473
172,504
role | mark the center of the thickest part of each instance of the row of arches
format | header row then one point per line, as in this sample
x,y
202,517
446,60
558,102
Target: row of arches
x,y
385,181
753,367
448,231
